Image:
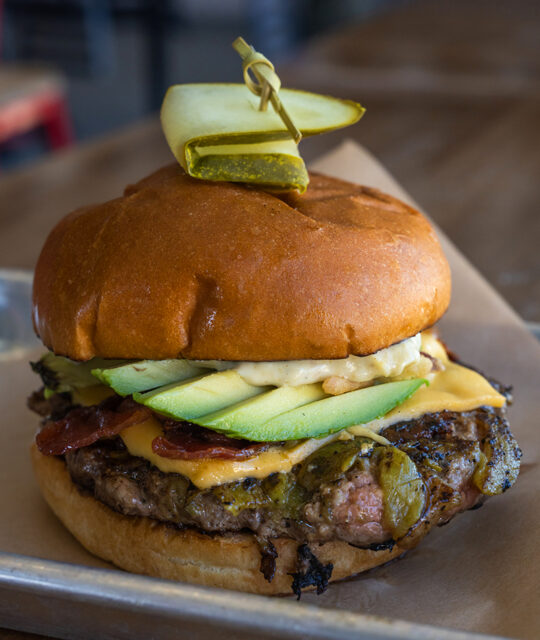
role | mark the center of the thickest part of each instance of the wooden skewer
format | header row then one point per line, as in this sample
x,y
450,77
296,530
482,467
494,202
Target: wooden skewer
x,y
266,83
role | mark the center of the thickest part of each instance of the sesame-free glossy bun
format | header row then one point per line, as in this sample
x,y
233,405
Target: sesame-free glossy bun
x,y
143,545
180,267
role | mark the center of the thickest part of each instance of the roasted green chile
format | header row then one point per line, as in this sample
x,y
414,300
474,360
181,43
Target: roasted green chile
x,y
402,485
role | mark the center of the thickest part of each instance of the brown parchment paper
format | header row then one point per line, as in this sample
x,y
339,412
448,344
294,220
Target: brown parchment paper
x,y
479,573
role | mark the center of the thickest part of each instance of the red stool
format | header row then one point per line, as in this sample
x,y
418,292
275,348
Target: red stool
x,y
31,97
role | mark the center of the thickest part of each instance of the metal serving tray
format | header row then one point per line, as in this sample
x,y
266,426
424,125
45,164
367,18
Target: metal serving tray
x,y
479,574
69,601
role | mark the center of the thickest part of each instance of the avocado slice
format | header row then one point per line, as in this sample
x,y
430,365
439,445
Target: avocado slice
x,y
199,396
60,374
255,412
313,420
145,374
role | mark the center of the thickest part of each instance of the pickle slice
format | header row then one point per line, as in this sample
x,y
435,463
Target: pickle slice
x,y
216,132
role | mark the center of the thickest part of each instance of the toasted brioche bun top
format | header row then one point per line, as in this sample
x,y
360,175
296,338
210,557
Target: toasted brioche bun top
x,y
180,267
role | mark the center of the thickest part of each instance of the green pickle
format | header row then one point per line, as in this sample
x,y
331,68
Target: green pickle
x,y
237,496
402,485
285,494
217,132
271,170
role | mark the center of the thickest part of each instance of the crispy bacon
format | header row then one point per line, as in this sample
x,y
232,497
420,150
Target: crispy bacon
x,y
83,426
186,441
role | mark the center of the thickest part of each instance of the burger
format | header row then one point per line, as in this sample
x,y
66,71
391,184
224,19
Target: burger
x,y
243,388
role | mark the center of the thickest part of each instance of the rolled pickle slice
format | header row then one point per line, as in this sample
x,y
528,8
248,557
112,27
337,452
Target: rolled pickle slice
x,y
216,132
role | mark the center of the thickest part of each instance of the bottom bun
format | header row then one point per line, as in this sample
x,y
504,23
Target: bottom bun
x,y
143,545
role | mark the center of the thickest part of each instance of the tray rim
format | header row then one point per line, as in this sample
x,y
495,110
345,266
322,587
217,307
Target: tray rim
x,y
119,590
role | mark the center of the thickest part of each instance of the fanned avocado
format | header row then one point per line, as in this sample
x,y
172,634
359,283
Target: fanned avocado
x,y
199,396
255,412
313,420
145,374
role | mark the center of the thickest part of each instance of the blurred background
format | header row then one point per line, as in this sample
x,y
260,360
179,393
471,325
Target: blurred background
x,y
452,90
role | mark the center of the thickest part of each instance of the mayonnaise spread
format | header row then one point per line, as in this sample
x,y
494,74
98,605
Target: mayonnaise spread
x,y
386,363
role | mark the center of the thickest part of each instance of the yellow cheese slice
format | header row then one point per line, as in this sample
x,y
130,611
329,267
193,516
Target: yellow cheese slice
x,y
456,388
208,473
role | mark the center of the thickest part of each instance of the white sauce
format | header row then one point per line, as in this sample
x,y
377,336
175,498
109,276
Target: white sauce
x,y
385,363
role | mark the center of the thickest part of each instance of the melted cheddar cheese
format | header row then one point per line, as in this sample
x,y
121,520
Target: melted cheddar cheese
x,y
456,388
208,473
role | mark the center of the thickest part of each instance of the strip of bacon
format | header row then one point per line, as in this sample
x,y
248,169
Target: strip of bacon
x,y
186,441
85,425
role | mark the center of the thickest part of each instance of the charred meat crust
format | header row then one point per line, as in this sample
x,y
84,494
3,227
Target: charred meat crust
x,y
54,408
269,556
310,572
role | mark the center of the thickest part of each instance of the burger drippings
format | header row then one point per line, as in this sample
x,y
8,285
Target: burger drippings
x,y
82,426
186,441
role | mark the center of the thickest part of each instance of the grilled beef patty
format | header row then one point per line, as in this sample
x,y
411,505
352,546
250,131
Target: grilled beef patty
x,y
443,462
